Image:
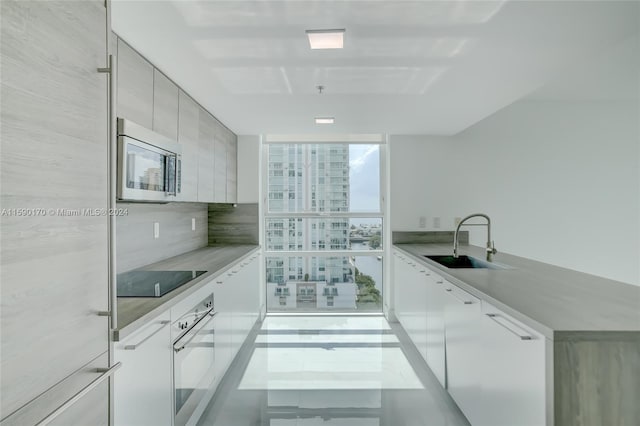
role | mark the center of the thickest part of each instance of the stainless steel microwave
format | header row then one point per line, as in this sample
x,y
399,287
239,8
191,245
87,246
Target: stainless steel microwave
x,y
149,165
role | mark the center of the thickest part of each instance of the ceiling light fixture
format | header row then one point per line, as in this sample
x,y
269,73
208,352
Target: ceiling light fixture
x,y
326,39
325,120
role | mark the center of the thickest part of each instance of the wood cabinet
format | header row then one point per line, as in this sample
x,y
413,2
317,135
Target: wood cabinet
x,y
513,373
220,166
188,137
232,168
248,169
143,391
53,265
209,150
206,128
135,86
165,106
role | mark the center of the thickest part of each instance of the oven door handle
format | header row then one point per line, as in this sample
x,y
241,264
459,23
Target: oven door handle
x,y
177,347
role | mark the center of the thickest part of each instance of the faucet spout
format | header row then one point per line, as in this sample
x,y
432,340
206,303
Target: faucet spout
x,y
490,247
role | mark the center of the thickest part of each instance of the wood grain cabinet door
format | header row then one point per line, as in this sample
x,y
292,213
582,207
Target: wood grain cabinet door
x,y
54,144
205,157
232,167
135,86
188,133
220,167
165,106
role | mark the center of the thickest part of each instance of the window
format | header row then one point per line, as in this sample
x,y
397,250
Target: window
x,y
334,200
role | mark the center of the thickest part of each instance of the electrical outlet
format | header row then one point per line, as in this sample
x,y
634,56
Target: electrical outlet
x,y
193,223
156,230
423,222
457,221
436,222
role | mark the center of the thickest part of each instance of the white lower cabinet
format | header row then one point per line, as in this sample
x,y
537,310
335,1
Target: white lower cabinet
x,y
400,285
436,301
493,366
513,372
143,388
463,348
236,300
418,307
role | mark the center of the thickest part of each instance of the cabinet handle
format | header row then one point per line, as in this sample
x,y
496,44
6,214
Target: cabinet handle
x,y
509,325
200,327
111,203
466,302
135,346
106,373
218,282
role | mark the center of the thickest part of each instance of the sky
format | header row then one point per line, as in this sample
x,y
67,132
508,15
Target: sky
x,y
364,175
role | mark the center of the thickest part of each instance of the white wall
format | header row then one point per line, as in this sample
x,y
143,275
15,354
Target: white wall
x,y
560,181
559,177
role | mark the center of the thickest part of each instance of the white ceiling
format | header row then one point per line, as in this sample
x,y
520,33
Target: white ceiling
x,y
408,67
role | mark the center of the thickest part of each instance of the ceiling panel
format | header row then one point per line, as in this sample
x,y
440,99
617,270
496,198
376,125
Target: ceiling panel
x,y
433,67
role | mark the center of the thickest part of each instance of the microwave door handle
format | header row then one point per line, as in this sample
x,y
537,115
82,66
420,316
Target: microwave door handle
x,y
170,174
178,174
177,346
167,167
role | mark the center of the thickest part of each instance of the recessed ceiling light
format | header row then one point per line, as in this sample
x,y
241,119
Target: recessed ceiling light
x,y
326,39
325,120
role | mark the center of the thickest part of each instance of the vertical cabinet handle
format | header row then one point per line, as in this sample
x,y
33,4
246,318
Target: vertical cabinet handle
x,y
111,203
510,326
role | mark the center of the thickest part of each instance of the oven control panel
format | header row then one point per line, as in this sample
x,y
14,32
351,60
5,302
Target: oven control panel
x,y
186,321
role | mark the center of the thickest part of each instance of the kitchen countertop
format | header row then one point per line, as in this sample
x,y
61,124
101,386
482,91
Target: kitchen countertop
x,y
134,312
555,301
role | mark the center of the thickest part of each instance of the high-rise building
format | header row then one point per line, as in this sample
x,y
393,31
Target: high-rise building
x,y
309,178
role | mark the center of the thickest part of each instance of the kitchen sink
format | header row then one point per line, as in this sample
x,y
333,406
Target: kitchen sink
x,y
465,262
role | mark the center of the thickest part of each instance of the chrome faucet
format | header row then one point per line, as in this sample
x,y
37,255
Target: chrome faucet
x,y
491,249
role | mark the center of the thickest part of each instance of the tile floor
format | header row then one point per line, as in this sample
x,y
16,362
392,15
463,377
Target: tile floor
x,y
330,371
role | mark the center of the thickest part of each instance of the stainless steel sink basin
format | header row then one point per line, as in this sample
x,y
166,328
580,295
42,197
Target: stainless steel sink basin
x,y
465,262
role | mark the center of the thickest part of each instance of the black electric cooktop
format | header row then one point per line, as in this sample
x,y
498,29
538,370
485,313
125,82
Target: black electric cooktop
x,y
153,283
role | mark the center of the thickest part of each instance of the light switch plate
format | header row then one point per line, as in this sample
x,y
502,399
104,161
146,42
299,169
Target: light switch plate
x,y
193,223
156,230
423,222
436,222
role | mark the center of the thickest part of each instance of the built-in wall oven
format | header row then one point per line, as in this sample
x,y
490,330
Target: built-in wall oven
x,y
149,165
194,361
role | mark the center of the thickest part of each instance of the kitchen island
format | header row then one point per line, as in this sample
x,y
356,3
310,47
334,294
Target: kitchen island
x,y
588,328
